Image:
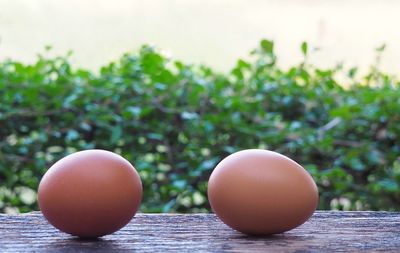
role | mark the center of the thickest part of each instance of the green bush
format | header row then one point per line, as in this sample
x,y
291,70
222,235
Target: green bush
x,y
176,121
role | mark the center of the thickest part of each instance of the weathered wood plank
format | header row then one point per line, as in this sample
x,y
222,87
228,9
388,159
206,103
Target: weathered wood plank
x,y
324,232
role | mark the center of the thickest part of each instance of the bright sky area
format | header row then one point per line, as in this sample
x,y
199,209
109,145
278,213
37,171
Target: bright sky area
x,y
210,32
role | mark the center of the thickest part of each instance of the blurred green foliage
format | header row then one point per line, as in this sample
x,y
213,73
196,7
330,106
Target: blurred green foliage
x,y
176,121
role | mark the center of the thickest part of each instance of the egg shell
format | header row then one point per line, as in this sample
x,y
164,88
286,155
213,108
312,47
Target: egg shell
x,y
262,192
90,193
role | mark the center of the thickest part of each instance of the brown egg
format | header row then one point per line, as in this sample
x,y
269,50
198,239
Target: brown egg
x,y
261,192
90,193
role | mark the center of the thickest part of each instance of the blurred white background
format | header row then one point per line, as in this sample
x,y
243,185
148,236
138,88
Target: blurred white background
x,y
215,33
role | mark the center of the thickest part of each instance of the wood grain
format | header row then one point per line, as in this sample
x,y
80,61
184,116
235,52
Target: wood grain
x,y
324,232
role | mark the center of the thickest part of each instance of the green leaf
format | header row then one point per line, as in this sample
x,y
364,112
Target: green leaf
x,y
72,135
304,48
267,46
381,48
116,134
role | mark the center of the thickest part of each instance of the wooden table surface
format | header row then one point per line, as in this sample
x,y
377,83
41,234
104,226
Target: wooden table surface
x,y
324,232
